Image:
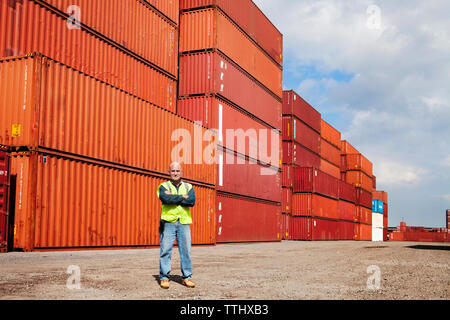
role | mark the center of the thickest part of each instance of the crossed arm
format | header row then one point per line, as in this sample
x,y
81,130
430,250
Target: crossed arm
x,y
167,198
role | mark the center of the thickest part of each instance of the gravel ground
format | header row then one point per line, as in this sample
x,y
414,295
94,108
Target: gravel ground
x,y
287,270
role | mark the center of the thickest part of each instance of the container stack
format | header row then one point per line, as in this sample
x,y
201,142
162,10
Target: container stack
x,y
88,116
230,80
357,170
301,149
419,234
379,215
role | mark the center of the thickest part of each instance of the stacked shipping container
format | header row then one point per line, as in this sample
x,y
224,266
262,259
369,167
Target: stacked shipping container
x,y
230,80
380,212
419,234
90,123
357,170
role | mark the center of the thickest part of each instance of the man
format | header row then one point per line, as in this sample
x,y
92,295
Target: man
x,y
177,198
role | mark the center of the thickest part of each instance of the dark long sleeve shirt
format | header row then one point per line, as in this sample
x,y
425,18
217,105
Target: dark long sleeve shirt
x,y
177,199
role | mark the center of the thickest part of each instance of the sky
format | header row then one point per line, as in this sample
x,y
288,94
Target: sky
x,y
379,72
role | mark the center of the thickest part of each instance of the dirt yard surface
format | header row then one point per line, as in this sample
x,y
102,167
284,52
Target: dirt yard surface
x,y
271,271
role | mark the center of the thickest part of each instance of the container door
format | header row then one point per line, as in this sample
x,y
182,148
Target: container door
x,y
4,178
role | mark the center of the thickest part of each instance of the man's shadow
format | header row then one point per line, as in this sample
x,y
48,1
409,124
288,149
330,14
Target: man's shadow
x,y
174,278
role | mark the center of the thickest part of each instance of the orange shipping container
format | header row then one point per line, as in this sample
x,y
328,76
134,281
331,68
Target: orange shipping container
x,y
131,24
359,179
211,29
346,147
29,27
363,232
356,161
330,152
330,134
314,205
380,195
63,203
364,215
330,168
46,104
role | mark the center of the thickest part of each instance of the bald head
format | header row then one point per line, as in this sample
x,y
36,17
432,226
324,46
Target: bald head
x,y
175,172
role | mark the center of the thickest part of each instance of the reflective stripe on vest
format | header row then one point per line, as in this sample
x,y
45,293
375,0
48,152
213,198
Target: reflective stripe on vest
x,y
173,212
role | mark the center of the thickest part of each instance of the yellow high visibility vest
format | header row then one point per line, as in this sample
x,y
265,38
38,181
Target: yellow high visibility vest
x,y
173,212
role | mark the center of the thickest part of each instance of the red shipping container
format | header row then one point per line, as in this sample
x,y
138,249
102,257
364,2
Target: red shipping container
x,y
213,73
347,191
286,203
285,226
315,181
314,205
75,203
380,195
294,105
347,211
211,29
313,229
296,130
363,198
47,104
28,27
250,19
287,175
364,215
365,233
356,161
4,180
295,153
374,180
346,230
236,130
330,169
330,134
241,219
136,26
243,176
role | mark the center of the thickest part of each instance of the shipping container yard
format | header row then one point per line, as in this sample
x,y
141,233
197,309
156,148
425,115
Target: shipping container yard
x,y
95,104
215,74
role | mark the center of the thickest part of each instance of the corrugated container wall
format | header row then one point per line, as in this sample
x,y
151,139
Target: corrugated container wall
x,y
26,28
241,175
294,105
211,73
314,205
132,24
90,205
315,181
211,29
46,104
250,19
241,219
307,228
237,131
296,130
330,134
295,153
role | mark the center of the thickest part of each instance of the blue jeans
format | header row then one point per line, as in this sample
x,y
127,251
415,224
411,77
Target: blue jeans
x,y
167,238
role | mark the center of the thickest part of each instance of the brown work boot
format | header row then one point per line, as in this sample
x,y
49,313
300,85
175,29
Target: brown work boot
x,y
164,284
188,283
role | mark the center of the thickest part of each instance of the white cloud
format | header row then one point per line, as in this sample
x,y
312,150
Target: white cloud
x,y
394,174
446,161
